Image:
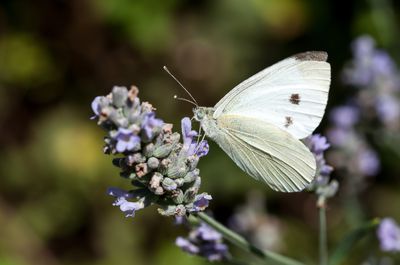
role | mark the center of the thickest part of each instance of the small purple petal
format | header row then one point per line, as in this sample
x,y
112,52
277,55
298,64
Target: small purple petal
x,y
202,149
149,123
187,132
129,208
201,202
96,105
214,251
187,246
389,235
126,140
317,143
205,232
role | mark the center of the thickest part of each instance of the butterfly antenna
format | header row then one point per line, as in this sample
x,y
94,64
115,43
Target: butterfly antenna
x,y
166,70
184,99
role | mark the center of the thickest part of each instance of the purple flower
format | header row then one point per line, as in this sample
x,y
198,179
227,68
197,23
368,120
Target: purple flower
x,y
389,235
345,116
388,108
317,143
206,233
189,144
187,246
383,64
202,148
127,207
215,251
204,241
149,123
96,105
370,66
126,140
201,202
339,136
368,162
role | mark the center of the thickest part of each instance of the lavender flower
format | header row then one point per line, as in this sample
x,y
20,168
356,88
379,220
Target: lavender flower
x,y
204,241
370,65
261,228
345,116
389,235
201,202
126,140
189,144
368,162
150,124
161,169
322,185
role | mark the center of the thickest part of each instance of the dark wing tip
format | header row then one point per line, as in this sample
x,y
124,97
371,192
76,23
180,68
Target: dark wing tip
x,y
311,56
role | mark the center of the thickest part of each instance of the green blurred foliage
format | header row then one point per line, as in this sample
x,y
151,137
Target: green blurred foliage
x,y
56,56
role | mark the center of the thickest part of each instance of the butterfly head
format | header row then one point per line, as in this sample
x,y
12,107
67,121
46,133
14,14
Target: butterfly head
x,y
202,112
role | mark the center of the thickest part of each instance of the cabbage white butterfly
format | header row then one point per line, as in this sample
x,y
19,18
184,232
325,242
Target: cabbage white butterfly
x,y
260,121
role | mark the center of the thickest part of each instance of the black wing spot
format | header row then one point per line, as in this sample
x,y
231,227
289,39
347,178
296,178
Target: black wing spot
x,y
295,99
288,121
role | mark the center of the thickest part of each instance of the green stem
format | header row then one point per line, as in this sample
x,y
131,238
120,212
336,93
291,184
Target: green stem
x,y
323,246
242,243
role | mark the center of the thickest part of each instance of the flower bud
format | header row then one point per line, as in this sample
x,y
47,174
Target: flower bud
x,y
153,163
119,96
169,184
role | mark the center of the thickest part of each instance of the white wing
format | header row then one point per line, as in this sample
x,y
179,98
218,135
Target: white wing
x,y
266,152
291,94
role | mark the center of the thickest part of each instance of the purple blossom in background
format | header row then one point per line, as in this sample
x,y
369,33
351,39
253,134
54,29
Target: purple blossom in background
x,y
387,108
339,136
126,140
345,116
370,65
368,162
204,241
150,122
187,246
389,235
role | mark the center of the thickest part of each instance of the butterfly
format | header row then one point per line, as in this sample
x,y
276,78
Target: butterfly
x,y
260,122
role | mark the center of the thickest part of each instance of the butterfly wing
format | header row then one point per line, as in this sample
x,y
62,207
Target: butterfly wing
x,y
266,152
291,94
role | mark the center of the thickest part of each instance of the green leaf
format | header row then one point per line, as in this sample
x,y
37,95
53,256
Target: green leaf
x,y
350,240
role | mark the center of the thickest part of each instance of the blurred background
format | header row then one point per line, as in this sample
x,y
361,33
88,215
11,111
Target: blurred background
x,y
57,55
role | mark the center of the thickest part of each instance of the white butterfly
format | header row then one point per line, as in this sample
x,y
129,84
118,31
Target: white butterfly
x,y
258,123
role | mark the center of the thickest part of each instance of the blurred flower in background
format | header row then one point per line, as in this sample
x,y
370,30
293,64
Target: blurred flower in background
x,y
204,241
389,235
262,229
370,117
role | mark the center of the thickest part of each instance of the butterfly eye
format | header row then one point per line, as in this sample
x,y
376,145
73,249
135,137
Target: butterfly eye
x,y
199,114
